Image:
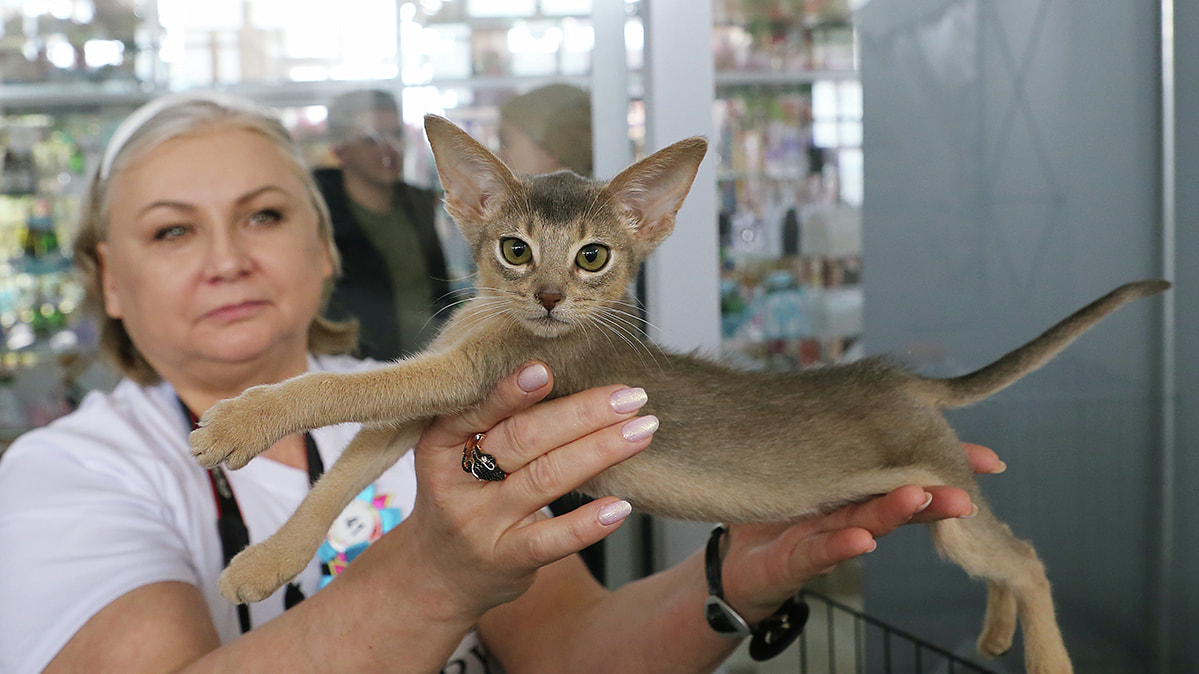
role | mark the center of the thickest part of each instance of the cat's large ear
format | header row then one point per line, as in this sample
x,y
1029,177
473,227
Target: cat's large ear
x,y
651,191
475,180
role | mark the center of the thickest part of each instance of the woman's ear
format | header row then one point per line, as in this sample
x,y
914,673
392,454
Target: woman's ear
x,y
112,299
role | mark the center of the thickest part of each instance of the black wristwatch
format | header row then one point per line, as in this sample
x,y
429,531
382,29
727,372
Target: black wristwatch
x,y
773,635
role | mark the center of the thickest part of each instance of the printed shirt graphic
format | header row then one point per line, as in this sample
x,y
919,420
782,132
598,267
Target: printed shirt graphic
x,y
370,515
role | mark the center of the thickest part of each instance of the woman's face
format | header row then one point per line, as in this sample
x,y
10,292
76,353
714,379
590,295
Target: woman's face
x,y
213,255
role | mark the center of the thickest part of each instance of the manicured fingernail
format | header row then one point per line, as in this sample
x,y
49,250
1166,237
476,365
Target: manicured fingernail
x,y
928,500
614,512
639,428
533,377
628,400
973,512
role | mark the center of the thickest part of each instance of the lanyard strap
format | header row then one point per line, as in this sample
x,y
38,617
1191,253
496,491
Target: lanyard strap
x,y
230,525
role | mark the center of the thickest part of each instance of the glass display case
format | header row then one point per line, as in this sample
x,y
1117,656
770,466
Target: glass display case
x,y
788,127
45,345
71,70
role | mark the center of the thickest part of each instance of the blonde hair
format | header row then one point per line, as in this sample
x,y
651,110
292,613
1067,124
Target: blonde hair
x,y
151,125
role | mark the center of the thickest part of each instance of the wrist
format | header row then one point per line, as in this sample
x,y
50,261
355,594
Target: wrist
x,y
771,635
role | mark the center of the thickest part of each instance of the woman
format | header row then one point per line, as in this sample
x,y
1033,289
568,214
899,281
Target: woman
x,y
208,252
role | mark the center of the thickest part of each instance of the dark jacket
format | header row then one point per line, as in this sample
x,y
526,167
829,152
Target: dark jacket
x,y
364,290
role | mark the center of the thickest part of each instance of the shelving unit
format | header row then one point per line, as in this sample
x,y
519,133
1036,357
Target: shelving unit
x,y
61,102
788,132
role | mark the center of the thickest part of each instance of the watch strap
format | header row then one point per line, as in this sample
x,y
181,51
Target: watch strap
x,y
770,637
720,616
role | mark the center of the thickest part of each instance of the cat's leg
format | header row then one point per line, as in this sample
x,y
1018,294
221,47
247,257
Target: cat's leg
x,y
986,548
238,429
259,570
999,625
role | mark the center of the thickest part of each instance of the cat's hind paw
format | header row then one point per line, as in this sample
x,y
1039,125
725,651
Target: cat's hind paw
x,y
256,572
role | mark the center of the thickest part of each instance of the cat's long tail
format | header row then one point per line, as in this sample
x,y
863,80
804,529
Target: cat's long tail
x,y
971,388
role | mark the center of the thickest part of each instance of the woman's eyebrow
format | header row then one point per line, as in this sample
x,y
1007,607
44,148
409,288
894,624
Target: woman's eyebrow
x,y
185,206
253,194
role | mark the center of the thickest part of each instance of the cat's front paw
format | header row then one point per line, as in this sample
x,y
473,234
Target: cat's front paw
x,y
236,430
256,572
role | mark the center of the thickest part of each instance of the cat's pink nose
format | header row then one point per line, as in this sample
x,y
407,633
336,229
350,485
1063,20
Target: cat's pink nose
x,y
549,298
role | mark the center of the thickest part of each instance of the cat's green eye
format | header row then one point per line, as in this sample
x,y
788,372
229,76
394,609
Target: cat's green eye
x,y
592,257
516,251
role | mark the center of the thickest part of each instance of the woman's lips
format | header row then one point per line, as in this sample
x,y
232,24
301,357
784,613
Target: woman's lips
x,y
235,311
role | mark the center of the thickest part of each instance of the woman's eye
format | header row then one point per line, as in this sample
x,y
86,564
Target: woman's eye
x,y
592,257
516,251
266,216
169,232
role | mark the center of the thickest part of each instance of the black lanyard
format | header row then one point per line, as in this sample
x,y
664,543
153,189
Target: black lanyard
x,y
232,528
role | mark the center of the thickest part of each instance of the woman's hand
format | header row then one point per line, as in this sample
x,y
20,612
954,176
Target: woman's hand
x,y
487,539
767,563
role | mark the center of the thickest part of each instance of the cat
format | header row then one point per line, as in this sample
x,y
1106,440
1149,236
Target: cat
x,y
556,254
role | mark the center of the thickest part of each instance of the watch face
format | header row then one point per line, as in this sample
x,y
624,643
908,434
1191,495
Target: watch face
x,y
723,619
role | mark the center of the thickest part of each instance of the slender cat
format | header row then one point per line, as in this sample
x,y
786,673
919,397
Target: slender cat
x,y
555,255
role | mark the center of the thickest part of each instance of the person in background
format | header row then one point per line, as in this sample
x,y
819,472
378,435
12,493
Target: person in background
x,y
547,129
207,253
394,279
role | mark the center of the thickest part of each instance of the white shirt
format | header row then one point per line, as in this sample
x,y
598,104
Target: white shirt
x,y
108,499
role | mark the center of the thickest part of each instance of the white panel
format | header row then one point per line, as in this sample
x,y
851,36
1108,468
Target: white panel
x,y
682,276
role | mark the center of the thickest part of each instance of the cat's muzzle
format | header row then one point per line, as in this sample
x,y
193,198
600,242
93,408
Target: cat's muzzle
x,y
479,463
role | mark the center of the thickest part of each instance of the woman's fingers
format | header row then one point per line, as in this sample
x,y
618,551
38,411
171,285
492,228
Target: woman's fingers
x,y
821,553
526,437
546,450
983,459
769,562
547,540
911,503
516,433
947,503
553,473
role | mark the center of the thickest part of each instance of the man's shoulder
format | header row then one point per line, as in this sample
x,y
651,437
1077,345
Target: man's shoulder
x,y
417,192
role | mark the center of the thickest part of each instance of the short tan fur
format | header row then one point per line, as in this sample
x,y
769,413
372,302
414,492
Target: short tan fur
x,y
555,256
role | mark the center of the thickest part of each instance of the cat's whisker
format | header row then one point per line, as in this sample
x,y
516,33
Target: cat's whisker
x,y
617,325
636,325
486,309
629,301
638,314
597,323
450,307
632,317
468,291
636,305
636,321
644,354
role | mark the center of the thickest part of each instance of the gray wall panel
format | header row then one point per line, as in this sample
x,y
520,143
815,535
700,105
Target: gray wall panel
x,y
1012,175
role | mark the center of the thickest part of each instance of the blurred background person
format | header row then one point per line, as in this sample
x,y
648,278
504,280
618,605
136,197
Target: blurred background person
x,y
395,279
547,129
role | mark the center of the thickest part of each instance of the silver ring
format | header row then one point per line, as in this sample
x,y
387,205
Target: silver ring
x,y
479,463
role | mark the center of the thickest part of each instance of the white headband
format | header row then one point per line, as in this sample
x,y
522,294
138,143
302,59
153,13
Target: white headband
x,y
151,110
